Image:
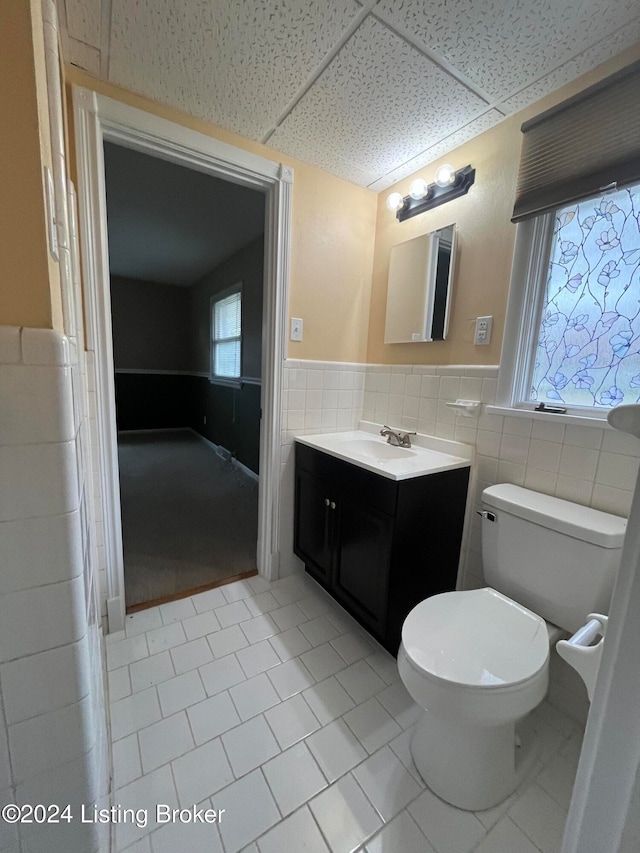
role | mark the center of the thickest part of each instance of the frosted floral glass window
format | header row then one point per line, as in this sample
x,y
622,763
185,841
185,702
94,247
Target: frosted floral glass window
x,y
588,351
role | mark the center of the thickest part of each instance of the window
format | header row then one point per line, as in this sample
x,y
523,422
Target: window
x,y
572,333
226,334
579,324
587,352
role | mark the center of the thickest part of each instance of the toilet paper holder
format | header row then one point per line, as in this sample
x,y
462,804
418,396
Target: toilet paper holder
x,y
578,652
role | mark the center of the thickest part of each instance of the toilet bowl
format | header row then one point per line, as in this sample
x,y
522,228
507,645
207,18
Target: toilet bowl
x,y
477,661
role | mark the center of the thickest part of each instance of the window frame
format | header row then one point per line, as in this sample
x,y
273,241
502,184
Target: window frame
x,y
532,253
214,378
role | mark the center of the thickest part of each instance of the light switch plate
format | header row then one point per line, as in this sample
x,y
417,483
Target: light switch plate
x,y
296,329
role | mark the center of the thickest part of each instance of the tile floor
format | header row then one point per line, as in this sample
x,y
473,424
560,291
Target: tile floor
x,y
270,702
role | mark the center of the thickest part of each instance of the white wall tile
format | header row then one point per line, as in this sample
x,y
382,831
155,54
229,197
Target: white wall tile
x,y
38,619
38,480
547,431
46,410
544,455
47,741
540,481
38,551
10,345
43,682
45,346
608,499
616,470
620,442
514,448
5,767
582,436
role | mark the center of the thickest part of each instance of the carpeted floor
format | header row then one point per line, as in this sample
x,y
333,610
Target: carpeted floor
x,y
188,517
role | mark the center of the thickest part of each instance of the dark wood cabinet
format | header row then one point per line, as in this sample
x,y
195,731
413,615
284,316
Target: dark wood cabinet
x,y
379,546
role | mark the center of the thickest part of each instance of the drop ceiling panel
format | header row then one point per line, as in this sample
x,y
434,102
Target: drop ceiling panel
x,y
440,149
378,104
235,63
84,56
504,45
83,20
582,63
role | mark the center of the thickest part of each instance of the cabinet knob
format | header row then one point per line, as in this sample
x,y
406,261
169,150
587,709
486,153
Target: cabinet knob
x,y
327,502
333,504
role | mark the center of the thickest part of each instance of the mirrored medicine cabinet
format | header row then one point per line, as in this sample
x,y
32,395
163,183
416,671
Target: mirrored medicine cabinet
x,y
419,288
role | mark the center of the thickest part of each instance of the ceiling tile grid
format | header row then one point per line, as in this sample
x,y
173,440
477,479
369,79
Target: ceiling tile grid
x,y
83,55
235,63
502,45
379,103
440,149
367,91
585,61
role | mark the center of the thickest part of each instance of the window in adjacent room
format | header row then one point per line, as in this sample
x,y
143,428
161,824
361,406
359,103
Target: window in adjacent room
x,y
572,336
226,334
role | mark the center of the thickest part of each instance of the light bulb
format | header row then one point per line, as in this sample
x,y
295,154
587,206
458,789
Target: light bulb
x,y
395,202
445,175
418,189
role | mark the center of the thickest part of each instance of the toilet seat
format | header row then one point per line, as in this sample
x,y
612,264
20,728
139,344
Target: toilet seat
x,y
477,639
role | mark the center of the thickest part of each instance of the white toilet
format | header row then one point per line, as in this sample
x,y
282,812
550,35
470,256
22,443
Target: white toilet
x,y
478,661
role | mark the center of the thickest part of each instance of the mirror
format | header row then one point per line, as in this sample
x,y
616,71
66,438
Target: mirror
x,y
419,288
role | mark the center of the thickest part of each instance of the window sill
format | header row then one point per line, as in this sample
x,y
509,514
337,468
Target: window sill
x,y
233,383
229,383
549,417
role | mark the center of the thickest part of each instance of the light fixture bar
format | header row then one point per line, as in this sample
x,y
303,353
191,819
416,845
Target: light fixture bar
x,y
436,195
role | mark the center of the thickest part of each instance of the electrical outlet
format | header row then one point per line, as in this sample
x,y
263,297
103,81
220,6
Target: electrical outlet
x,y
483,331
296,329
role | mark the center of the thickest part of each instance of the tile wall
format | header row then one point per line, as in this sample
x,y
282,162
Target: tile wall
x,y
53,731
588,465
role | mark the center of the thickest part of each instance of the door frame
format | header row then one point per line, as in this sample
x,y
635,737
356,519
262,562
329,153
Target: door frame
x,y
98,118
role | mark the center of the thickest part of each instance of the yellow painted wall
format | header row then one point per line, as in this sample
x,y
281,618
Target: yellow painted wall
x,y
485,238
332,240
29,278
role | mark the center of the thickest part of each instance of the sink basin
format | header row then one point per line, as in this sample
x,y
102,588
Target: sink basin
x,y
372,449
367,449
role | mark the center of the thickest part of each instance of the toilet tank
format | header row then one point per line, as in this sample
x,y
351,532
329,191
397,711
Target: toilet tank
x,y
555,557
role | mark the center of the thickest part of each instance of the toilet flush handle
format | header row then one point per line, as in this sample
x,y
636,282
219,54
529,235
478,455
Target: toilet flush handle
x,y
490,516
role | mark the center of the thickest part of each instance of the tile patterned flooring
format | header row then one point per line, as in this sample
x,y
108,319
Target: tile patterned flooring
x,y
269,701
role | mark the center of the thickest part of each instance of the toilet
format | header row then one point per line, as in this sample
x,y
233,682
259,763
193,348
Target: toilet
x,y
477,661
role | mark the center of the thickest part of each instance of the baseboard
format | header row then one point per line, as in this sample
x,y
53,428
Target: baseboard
x,y
158,429
218,447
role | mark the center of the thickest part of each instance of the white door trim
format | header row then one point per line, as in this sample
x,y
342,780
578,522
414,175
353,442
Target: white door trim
x,y
98,118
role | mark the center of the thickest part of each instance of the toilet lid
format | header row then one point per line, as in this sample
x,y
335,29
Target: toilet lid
x,y
476,638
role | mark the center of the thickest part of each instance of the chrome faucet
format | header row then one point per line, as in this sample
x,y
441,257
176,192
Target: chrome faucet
x,y
397,437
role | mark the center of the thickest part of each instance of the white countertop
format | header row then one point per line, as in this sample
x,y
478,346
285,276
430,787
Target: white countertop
x,y
366,448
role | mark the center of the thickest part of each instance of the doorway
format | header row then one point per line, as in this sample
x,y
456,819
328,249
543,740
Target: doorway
x,y
96,119
186,263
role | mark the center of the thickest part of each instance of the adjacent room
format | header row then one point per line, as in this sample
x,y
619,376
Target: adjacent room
x,y
186,275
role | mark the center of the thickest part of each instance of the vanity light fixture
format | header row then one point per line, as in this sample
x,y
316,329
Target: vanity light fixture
x,y
448,184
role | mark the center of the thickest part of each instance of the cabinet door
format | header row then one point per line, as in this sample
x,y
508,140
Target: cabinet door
x,y
313,517
363,553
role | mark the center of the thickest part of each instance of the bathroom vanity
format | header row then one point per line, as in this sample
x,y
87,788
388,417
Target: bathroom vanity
x,y
379,527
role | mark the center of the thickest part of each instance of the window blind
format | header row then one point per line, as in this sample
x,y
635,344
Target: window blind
x,y
573,150
227,325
